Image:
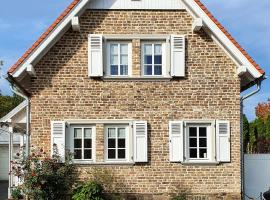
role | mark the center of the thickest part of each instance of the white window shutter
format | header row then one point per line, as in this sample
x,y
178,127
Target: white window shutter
x,y
223,141
140,141
95,55
178,56
176,143
58,132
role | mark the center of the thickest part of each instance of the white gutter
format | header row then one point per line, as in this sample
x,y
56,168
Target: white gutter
x,y
242,136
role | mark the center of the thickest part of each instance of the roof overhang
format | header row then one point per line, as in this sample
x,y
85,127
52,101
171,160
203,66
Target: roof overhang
x,y
202,20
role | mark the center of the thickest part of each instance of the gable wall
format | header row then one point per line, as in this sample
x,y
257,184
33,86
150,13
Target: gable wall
x,y
211,90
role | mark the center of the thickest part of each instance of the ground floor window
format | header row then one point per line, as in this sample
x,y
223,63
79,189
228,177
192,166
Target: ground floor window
x,y
117,142
82,142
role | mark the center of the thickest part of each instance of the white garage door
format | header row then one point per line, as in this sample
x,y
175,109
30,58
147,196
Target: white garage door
x,y
3,162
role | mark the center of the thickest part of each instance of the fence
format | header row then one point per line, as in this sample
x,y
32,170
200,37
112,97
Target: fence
x,y
257,174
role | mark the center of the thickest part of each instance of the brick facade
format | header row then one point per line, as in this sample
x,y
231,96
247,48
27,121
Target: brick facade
x,y
211,90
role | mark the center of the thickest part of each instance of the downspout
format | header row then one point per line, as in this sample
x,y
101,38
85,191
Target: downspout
x,y
242,136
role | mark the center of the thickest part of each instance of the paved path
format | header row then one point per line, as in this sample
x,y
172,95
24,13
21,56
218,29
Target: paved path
x,y
3,190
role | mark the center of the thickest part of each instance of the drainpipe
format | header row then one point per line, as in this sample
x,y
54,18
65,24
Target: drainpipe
x,y
242,136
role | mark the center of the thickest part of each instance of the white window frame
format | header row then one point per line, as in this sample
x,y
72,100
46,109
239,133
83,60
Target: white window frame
x,y
129,143
108,58
93,127
165,53
211,141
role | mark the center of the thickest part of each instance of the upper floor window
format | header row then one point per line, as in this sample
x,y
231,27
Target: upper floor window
x,y
153,58
118,58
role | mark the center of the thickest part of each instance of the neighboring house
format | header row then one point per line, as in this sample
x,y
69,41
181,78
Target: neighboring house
x,y
15,124
148,88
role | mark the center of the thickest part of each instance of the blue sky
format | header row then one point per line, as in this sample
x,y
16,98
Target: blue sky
x,y
246,20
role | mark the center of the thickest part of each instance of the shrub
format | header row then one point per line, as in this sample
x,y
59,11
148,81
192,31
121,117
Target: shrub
x,y
44,177
16,193
88,191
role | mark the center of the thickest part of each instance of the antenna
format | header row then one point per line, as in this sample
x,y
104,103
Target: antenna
x,y
1,64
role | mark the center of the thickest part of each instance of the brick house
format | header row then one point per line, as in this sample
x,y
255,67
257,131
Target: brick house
x,y
149,89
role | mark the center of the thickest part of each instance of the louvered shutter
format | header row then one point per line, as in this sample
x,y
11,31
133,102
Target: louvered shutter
x,y
223,141
95,55
140,141
176,143
178,60
58,131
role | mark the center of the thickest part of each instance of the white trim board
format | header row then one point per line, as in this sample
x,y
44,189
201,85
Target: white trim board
x,y
136,4
15,111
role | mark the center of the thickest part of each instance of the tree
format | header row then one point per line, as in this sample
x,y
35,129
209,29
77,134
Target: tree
x,y
246,133
263,110
7,103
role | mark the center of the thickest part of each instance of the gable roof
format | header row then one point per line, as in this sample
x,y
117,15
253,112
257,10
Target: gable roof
x,y
13,112
68,11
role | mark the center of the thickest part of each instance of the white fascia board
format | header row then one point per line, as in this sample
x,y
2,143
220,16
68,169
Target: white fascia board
x,y
7,117
225,41
52,38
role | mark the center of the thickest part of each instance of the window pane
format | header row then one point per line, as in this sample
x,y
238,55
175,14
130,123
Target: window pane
x,y
203,153
77,154
158,70
111,153
114,69
158,60
77,143
87,133
121,133
193,132
77,133
114,49
148,70
114,60
202,131
124,60
111,133
203,142
88,143
121,143
124,49
123,70
121,153
148,49
193,142
148,60
88,154
111,143
193,153
158,49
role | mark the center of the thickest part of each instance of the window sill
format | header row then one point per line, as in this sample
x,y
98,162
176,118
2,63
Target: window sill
x,y
205,163
140,78
105,163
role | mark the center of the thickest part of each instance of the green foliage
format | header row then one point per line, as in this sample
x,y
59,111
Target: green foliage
x,y
16,193
44,177
7,103
88,191
267,127
246,132
180,197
